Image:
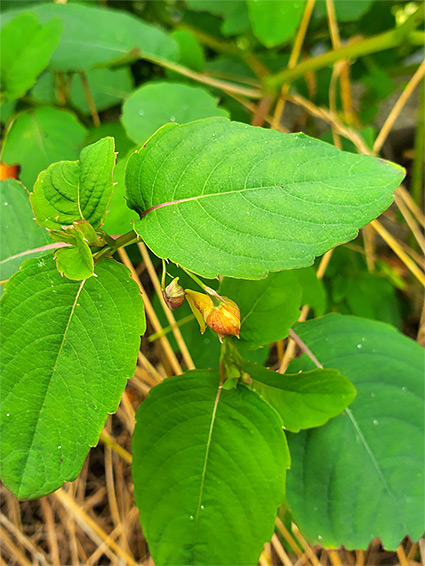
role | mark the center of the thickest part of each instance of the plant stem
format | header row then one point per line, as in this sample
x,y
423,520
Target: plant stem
x,y
124,240
215,297
380,42
418,162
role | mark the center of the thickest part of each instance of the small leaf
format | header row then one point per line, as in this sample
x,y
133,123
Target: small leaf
x,y
76,190
19,233
220,197
313,291
222,455
76,261
274,23
95,37
68,349
142,115
303,400
269,307
191,53
40,137
373,454
25,50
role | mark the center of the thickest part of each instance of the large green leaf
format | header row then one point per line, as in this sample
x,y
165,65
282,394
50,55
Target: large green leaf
x,y
275,22
76,190
220,197
19,234
68,349
362,475
25,50
209,471
94,37
303,400
142,115
268,307
40,137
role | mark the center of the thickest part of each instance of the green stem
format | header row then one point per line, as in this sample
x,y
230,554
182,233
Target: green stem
x,y
168,329
124,240
386,40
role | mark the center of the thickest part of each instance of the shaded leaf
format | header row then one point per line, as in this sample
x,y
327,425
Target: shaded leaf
x,y
241,200
222,455
303,400
76,190
142,115
94,37
25,50
269,307
19,233
68,349
370,459
40,137
313,290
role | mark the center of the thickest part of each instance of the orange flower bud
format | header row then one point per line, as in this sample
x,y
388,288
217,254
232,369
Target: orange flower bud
x,y
173,295
224,318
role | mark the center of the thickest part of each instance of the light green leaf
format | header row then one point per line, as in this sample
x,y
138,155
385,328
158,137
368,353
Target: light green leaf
x,y
76,261
222,455
76,190
108,87
274,23
40,137
142,115
25,50
361,476
119,218
68,349
303,400
220,197
95,37
269,307
19,234
191,53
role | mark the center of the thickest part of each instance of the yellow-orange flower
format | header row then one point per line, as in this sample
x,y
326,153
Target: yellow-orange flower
x,y
224,318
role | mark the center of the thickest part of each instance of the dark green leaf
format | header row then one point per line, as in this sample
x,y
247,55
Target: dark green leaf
x,y
222,455
68,349
269,307
76,190
313,291
19,233
142,115
238,200
94,37
25,50
346,10
303,400
40,137
275,22
361,476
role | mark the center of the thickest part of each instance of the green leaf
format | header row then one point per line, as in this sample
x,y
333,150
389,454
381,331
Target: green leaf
x,y
76,190
303,400
238,200
95,37
234,12
222,455
119,218
142,115
40,137
108,87
191,53
68,349
25,50
274,23
361,476
19,234
268,307
346,10
313,290
76,261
